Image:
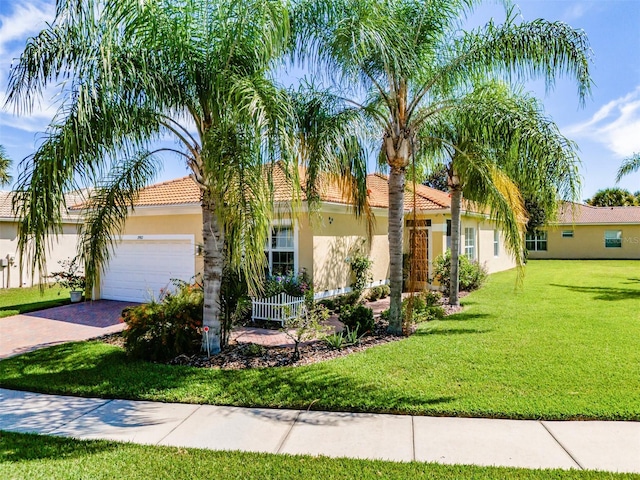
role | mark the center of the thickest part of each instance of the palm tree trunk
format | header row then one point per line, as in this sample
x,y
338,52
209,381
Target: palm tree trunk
x,y
213,238
456,201
395,235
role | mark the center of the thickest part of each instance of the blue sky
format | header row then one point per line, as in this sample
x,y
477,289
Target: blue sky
x,y
607,128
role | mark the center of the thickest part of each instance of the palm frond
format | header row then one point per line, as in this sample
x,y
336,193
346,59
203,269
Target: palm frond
x,y
629,165
109,206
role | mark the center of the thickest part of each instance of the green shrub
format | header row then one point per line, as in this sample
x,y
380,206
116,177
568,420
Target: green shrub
x,y
374,294
358,318
426,307
361,269
343,339
335,341
385,291
160,331
471,274
328,303
431,297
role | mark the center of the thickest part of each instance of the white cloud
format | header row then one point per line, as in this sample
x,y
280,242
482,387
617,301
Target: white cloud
x,y
574,11
26,19
616,125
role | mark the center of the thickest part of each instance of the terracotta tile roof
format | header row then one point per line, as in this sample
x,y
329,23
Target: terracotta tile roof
x,y
184,190
6,208
427,198
576,213
6,204
173,192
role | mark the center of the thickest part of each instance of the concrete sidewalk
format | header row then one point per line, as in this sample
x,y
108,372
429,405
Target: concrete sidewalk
x,y
597,445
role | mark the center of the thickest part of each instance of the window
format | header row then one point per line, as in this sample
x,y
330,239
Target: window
x,y
536,241
470,243
613,239
567,234
496,243
448,245
280,250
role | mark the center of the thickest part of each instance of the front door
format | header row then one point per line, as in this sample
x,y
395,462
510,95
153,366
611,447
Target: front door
x,y
419,268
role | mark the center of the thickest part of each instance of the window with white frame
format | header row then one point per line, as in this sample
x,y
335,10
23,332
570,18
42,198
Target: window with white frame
x,y
281,250
567,234
470,243
536,241
496,243
613,239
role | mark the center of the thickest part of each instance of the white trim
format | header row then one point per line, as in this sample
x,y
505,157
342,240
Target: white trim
x,y
126,238
439,227
283,222
428,211
327,207
429,255
341,291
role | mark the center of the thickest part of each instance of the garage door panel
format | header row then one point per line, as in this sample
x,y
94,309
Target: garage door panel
x,y
139,269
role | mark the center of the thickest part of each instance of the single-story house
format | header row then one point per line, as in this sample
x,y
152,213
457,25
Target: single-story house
x,y
163,238
586,232
16,271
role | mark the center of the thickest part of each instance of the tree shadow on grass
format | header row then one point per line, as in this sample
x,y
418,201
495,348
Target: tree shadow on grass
x,y
464,317
452,331
20,447
7,310
91,370
604,293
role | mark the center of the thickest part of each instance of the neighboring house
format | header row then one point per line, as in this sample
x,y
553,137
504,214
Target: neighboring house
x,y
16,271
163,237
586,232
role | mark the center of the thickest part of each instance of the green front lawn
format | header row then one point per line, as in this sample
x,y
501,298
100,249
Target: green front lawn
x,y
29,299
565,347
37,457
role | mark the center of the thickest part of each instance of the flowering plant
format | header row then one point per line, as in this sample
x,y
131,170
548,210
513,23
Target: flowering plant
x,y
71,277
292,284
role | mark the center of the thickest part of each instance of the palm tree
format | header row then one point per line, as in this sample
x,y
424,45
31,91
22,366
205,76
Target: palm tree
x,y
413,63
5,164
199,72
497,145
612,197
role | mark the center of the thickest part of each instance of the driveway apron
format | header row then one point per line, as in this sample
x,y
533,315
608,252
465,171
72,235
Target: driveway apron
x,y
69,323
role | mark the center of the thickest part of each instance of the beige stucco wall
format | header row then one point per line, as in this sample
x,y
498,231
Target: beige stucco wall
x,y
483,230
336,236
323,245
62,247
588,243
504,260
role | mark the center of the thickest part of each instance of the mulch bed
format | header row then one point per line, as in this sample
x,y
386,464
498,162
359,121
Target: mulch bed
x,y
241,356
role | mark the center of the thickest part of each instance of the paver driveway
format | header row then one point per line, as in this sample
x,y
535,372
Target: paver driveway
x,y
80,321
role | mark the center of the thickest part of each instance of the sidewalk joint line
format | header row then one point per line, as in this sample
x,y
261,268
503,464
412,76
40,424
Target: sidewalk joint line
x,y
561,445
286,435
413,438
179,424
81,415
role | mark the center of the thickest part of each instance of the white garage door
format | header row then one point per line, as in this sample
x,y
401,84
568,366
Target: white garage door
x,y
142,265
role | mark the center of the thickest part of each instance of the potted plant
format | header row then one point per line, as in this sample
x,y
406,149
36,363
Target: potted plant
x,y
71,278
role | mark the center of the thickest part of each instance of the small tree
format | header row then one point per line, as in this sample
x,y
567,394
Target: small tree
x,y
307,325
